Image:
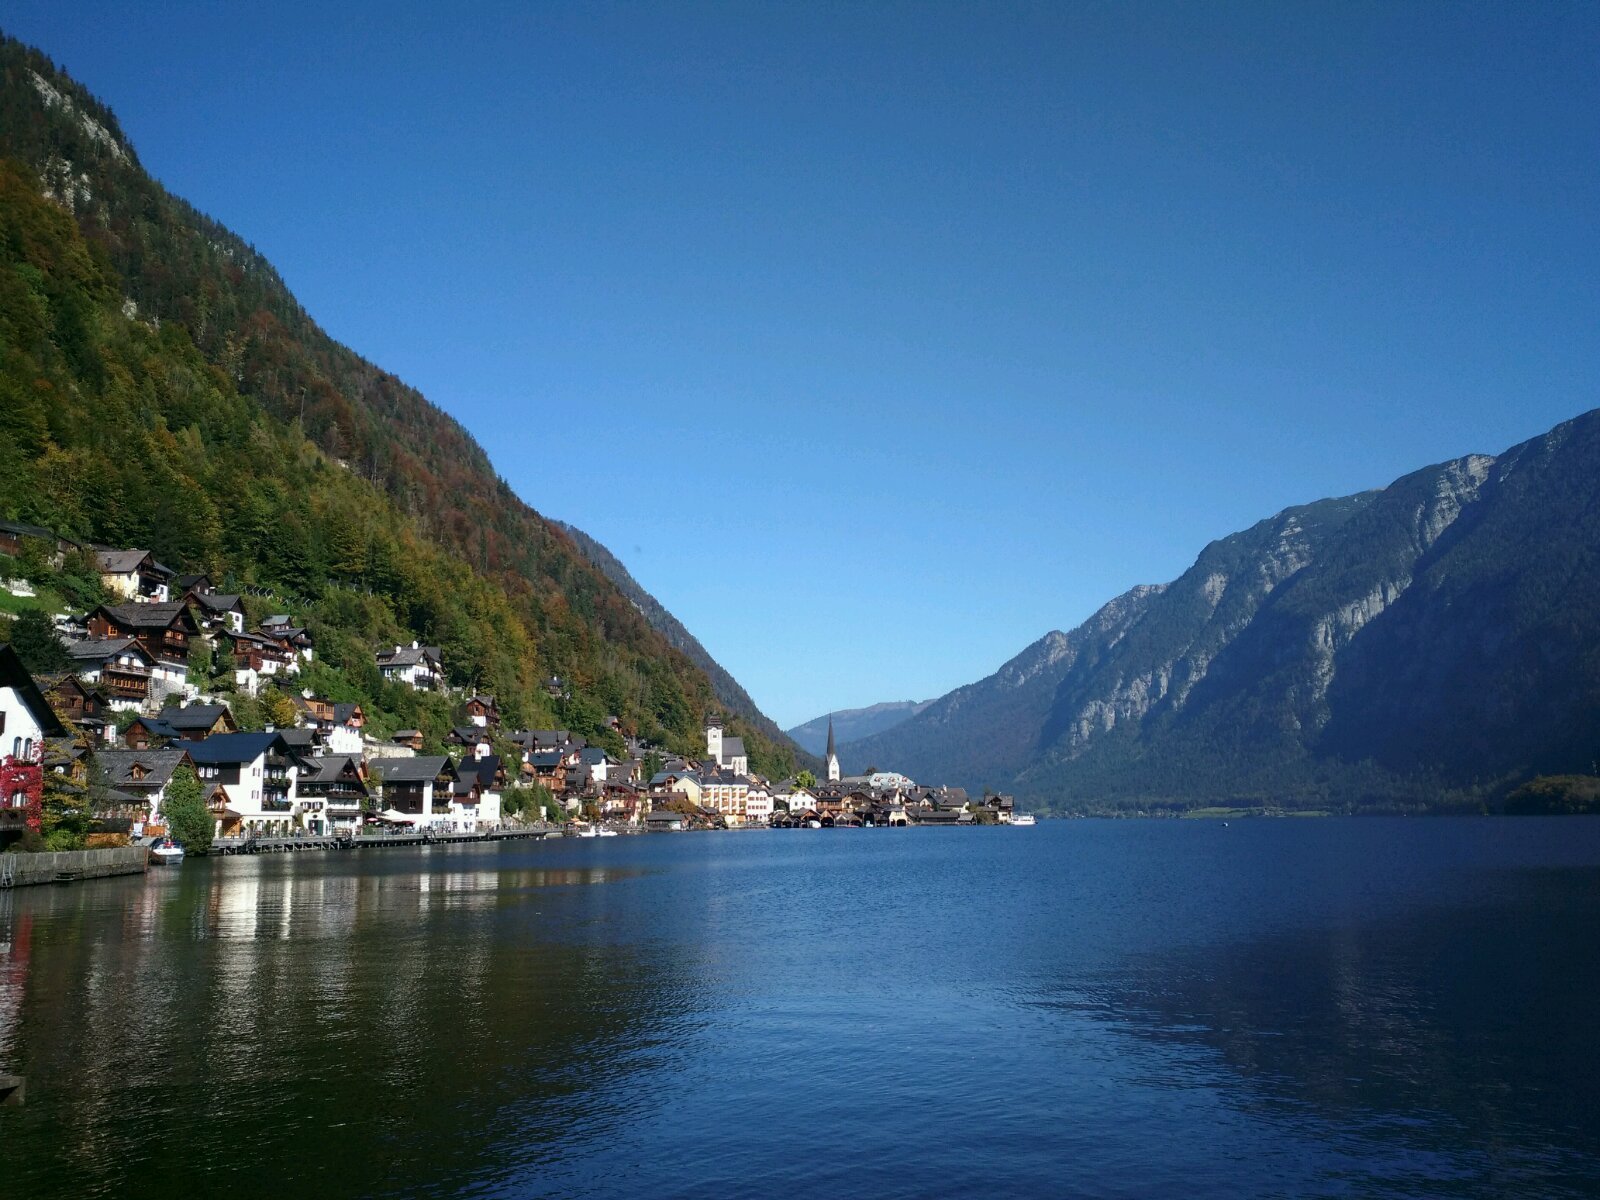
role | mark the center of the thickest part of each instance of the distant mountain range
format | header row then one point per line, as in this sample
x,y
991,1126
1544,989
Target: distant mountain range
x,y
734,699
850,724
1433,642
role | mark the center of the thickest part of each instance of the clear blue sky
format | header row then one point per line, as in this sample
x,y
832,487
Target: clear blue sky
x,y
879,340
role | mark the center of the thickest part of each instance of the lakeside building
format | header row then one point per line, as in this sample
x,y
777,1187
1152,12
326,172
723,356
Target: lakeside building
x,y
250,782
26,720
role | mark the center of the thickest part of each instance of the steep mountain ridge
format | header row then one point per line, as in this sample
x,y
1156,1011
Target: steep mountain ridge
x,y
164,389
1428,639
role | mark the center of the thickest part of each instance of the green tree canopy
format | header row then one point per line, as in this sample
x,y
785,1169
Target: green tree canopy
x,y
36,644
185,811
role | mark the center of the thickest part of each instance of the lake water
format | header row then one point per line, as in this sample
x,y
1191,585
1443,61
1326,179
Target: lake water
x,y
1096,1008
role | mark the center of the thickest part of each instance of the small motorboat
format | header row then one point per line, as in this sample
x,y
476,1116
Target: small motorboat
x,y
590,832
166,851
607,833
1023,819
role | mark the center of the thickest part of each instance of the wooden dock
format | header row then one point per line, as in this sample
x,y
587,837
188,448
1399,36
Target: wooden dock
x,y
371,841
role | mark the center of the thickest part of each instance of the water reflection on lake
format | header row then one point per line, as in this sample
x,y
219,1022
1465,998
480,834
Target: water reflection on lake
x,y
1152,1008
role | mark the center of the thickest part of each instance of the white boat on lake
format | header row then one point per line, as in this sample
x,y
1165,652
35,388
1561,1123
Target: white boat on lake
x,y
166,851
1023,819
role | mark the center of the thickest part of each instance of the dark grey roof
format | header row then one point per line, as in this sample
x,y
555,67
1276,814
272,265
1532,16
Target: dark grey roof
x,y
329,769
218,602
160,764
234,747
120,562
146,616
407,656
343,712
24,530
196,716
100,649
733,748
422,769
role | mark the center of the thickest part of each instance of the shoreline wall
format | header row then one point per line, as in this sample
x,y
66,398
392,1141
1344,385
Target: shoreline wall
x,y
28,869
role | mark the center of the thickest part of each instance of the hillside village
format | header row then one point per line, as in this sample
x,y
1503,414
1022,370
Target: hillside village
x,y
131,710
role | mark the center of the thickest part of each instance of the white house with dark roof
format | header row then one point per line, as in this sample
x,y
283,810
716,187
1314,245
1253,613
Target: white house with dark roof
x,y
250,781
120,667
419,667
419,789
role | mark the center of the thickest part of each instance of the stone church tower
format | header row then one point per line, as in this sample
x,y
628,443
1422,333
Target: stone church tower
x,y
833,758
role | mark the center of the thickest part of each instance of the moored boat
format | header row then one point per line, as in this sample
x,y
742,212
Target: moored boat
x,y
166,851
1023,819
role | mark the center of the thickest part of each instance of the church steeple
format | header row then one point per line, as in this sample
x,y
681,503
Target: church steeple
x,y
833,758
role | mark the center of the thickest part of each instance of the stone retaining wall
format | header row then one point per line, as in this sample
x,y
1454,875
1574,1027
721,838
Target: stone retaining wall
x,y
88,864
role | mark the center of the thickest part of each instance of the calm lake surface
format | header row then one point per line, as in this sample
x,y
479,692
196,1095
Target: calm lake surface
x,y
1098,1008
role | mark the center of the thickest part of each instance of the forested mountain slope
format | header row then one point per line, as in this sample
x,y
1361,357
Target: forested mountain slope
x,y
162,389
1434,641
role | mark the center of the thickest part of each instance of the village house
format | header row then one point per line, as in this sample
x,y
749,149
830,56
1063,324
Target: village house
x,y
26,720
332,793
758,804
547,768
337,726
482,712
119,667
418,791
475,796
13,534
88,708
257,658
676,782
419,667
138,781
791,795
597,766
249,780
133,575
295,639
197,721
473,738
215,611
164,630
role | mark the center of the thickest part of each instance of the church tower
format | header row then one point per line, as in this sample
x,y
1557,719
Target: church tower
x,y
833,758
714,740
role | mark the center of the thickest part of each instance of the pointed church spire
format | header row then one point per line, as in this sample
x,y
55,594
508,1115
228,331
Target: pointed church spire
x,y
830,737
833,758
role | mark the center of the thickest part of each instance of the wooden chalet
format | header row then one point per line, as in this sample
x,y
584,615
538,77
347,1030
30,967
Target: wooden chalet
x,y
163,630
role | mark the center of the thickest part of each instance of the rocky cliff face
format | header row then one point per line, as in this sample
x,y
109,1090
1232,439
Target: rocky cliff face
x,y
1423,637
